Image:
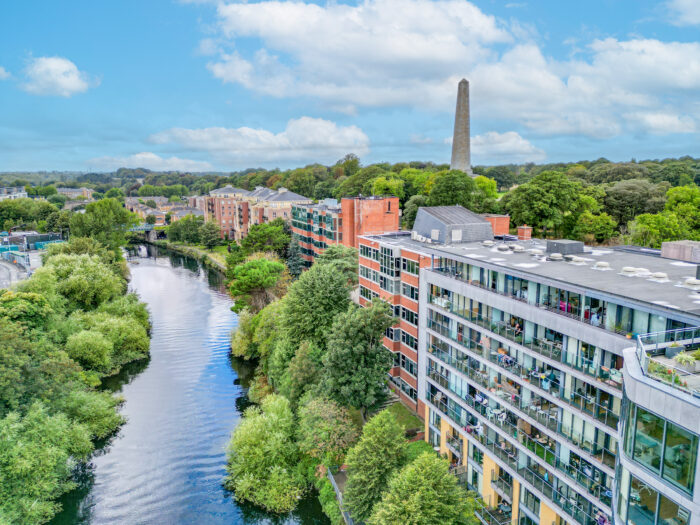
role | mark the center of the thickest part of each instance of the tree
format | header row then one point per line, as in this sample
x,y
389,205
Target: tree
x,y
544,202
503,176
150,219
263,457
106,221
302,372
372,462
312,302
357,363
91,349
626,199
186,230
31,310
151,203
59,221
254,284
116,193
684,201
210,234
326,431
453,187
410,209
267,237
295,263
343,258
653,229
598,227
388,186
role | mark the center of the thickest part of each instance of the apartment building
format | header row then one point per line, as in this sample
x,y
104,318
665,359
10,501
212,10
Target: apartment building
x,y
236,209
522,347
76,193
13,192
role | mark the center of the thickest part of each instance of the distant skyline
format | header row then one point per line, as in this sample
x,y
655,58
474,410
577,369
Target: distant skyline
x,y
202,85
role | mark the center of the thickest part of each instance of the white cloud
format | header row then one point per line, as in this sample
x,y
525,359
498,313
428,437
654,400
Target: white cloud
x,y
55,76
685,12
502,148
420,139
305,138
149,161
383,53
4,73
661,123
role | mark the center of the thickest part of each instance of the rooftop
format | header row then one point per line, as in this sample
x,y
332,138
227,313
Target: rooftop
x,y
655,281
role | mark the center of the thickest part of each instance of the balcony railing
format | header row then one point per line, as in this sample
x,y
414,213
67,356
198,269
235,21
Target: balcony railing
x,y
586,476
546,347
505,486
456,444
654,353
562,496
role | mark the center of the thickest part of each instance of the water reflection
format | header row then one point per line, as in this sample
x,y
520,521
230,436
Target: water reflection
x,y
167,464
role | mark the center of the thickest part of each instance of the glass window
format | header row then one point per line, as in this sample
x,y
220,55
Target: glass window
x,y
671,513
409,266
642,506
680,454
649,432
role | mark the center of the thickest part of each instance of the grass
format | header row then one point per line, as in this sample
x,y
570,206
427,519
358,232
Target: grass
x,y
405,417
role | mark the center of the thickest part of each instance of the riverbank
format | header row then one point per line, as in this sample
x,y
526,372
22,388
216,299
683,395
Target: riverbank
x,y
212,259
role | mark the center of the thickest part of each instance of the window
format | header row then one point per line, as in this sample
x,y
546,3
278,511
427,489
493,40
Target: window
x,y
409,340
367,293
410,266
680,455
369,253
409,291
405,387
409,316
393,334
409,365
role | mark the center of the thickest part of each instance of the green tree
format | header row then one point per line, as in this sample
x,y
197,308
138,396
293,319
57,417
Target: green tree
x,y
106,221
302,372
453,187
357,363
295,263
263,457
186,230
410,209
312,302
115,193
626,199
151,203
59,222
267,237
684,201
150,219
544,202
653,229
425,493
597,227
503,176
344,259
210,234
254,284
388,186
91,349
31,310
326,431
372,462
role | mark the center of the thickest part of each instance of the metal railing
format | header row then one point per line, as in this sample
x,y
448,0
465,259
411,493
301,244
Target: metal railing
x,y
652,345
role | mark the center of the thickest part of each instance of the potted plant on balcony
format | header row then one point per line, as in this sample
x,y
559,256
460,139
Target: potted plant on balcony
x,y
673,349
686,361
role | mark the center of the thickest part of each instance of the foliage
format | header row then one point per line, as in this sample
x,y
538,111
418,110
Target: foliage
x,y
372,462
503,176
242,336
210,235
357,363
268,237
626,199
344,259
267,330
388,186
16,212
106,221
595,227
404,416
59,221
653,229
302,372
37,454
326,431
187,229
424,493
410,210
31,310
417,448
255,284
312,302
91,349
453,187
263,457
295,263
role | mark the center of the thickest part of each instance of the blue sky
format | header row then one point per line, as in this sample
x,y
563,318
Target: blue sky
x,y
206,85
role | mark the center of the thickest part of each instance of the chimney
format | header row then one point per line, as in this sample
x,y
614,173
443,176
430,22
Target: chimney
x,y
524,232
461,147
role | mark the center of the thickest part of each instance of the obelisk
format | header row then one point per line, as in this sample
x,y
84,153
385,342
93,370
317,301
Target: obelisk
x,y
461,156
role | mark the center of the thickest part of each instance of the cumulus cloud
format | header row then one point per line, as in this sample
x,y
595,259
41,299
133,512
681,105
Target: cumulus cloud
x,y
4,73
661,123
503,148
56,76
149,161
303,139
685,12
382,53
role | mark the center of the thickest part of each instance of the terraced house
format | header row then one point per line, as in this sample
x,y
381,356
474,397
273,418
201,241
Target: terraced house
x,y
531,362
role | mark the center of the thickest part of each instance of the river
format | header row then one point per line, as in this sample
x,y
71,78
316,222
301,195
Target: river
x,y
167,463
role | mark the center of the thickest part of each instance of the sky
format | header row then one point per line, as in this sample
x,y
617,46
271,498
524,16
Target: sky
x,y
198,85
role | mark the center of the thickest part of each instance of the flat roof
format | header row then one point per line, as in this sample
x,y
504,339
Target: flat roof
x,y
661,294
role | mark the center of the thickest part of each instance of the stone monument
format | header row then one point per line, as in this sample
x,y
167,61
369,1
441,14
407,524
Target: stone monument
x,y
461,148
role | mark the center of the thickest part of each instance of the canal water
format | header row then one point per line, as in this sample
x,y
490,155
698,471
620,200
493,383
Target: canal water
x,y
167,463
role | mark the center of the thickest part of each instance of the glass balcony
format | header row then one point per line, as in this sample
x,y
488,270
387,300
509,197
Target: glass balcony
x,y
655,353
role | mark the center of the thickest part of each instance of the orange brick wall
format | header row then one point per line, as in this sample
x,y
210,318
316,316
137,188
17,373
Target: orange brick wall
x,y
365,216
499,223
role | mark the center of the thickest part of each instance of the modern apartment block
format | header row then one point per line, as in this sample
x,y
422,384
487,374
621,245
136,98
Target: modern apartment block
x,y
522,346
13,192
76,193
236,209
318,226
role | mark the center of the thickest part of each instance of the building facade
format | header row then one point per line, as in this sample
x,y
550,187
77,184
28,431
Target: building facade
x,y
13,192
76,193
519,363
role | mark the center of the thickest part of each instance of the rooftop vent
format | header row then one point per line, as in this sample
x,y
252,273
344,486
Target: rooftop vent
x,y
577,260
643,272
602,265
518,249
488,243
692,283
565,247
660,277
535,251
503,248
629,271
556,256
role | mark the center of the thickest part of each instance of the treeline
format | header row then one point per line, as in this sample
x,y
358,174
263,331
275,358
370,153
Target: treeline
x,y
322,370
64,329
